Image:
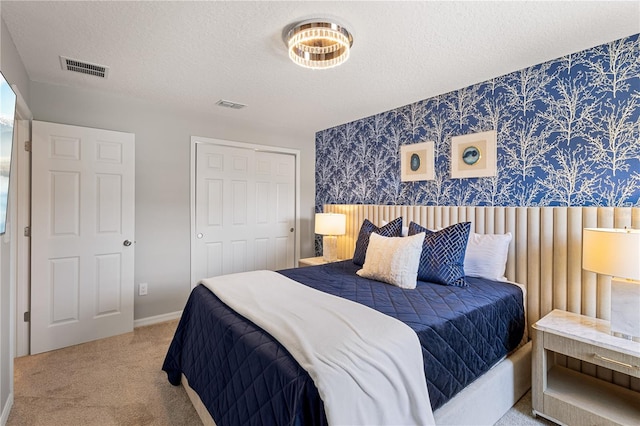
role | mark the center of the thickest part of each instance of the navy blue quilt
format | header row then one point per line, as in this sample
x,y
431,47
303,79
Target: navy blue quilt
x,y
244,376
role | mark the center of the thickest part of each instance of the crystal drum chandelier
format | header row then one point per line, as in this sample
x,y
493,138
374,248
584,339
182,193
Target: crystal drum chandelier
x,y
318,44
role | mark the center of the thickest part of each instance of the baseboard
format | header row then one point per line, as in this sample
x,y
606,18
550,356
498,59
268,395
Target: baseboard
x,y
6,410
156,319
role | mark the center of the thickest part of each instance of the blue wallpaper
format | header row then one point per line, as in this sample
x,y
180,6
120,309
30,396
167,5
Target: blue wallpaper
x,y
568,135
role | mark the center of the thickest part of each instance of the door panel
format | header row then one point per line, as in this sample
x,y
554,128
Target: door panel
x,y
65,203
214,201
244,211
65,290
108,273
214,259
82,211
108,204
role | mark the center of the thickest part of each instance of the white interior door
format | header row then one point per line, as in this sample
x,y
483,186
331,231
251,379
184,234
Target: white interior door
x,y
82,254
245,210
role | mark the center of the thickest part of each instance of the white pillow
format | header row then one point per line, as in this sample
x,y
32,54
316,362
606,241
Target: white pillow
x,y
393,260
486,255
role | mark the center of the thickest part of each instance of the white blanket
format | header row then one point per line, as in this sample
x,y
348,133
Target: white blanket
x,y
367,366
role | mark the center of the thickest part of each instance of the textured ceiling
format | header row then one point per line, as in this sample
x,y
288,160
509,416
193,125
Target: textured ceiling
x,y
191,54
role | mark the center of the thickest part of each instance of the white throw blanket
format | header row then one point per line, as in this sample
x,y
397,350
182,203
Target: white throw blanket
x,y
366,365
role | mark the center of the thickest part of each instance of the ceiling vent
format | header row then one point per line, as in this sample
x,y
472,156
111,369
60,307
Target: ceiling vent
x,y
229,104
82,67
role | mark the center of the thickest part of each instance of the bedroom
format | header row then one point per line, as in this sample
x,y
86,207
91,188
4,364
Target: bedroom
x,y
163,132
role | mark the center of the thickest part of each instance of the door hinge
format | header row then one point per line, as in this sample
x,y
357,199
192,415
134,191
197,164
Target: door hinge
x,y
27,316
27,231
27,146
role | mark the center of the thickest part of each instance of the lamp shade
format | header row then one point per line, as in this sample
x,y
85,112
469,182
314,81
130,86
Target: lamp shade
x,y
330,223
614,252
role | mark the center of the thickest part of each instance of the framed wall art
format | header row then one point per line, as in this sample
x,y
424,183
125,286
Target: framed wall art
x,y
417,162
474,155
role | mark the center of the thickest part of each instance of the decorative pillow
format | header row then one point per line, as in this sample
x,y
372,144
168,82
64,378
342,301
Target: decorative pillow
x,y
442,258
391,229
393,260
405,229
486,255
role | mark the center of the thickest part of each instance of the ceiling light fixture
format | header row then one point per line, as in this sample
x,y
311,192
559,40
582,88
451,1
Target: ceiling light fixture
x,y
318,44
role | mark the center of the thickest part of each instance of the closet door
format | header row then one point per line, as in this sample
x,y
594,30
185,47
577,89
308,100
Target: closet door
x,y
244,210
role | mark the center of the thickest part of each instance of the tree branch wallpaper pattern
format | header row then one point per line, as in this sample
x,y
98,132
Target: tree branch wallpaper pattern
x,y
568,135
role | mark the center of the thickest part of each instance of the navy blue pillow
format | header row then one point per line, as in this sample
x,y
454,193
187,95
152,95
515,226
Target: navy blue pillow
x,y
442,258
391,229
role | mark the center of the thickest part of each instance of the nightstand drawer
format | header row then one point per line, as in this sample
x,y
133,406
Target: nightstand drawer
x,y
617,361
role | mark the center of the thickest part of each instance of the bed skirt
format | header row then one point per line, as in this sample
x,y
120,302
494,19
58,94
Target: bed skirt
x,y
491,395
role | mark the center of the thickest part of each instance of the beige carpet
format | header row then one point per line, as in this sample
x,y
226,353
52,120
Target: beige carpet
x,y
119,381
114,381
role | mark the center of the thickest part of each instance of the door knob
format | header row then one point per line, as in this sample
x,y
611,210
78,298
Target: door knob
x,y
291,230
126,243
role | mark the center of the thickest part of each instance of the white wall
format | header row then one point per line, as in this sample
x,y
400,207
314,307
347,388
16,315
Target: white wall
x,y
162,177
162,185
11,63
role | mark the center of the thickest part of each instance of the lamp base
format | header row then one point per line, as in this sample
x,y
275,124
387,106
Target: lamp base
x,y
329,248
625,308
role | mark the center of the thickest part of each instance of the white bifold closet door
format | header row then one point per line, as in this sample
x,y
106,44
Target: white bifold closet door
x,y
82,253
244,211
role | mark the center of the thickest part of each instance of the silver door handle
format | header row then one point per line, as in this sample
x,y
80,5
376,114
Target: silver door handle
x,y
126,243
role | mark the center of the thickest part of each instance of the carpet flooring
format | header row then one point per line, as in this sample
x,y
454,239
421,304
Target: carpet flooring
x,y
119,381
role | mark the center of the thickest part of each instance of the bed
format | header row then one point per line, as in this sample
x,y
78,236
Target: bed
x,y
472,338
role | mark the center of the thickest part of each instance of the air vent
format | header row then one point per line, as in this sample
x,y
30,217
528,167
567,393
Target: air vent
x,y
229,104
75,65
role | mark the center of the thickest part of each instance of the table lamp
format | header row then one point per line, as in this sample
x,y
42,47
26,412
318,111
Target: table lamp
x,y
616,252
330,225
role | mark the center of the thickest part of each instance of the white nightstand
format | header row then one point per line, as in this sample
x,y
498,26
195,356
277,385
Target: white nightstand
x,y
567,396
311,261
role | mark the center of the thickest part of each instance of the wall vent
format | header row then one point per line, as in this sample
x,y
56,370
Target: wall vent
x,y
229,104
83,67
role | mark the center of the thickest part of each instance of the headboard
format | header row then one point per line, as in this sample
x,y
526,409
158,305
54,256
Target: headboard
x,y
545,253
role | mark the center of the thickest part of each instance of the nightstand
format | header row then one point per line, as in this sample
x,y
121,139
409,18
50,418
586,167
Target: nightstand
x,y
567,396
311,261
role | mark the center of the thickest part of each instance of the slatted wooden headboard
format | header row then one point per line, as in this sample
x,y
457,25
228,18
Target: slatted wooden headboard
x,y
545,254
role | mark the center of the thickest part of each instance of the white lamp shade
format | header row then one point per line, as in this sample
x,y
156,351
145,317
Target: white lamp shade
x,y
614,252
330,223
